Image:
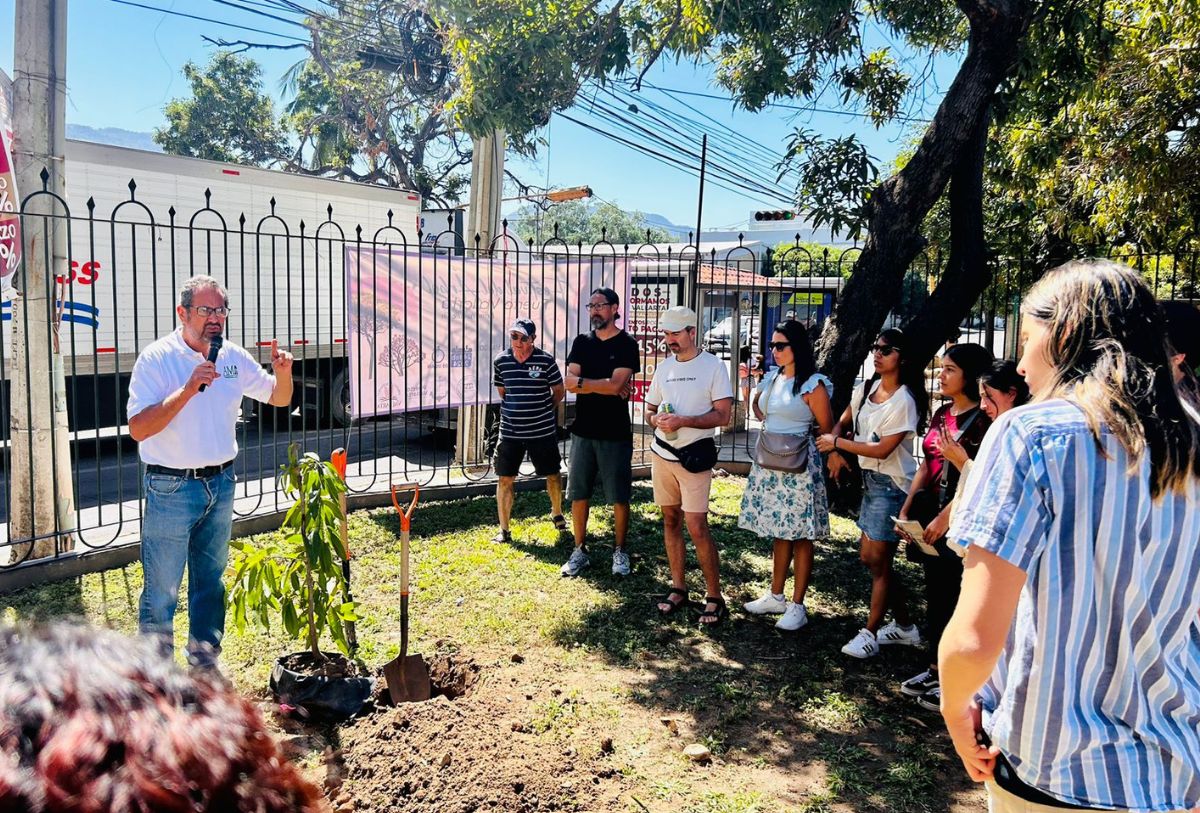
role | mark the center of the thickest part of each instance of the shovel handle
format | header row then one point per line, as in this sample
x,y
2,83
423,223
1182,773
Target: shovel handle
x,y
337,459
406,513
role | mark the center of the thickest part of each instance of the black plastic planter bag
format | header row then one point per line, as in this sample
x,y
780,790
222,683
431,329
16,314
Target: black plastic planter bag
x,y
317,697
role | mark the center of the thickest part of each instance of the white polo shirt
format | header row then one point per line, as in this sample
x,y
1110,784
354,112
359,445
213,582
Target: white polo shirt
x,y
203,433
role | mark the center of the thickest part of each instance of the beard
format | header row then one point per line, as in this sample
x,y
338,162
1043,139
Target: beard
x,y
599,322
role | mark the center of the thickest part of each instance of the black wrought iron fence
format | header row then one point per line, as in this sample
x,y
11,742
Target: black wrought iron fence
x,y
393,331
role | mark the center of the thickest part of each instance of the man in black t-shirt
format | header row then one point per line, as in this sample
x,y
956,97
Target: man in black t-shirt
x,y
599,369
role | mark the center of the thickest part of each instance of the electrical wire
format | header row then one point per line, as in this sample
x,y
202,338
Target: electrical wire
x,y
207,20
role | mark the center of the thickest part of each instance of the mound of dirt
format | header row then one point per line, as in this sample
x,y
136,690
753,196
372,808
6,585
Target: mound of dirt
x,y
466,750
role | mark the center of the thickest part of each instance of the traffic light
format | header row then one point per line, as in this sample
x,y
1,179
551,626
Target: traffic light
x,y
571,193
764,215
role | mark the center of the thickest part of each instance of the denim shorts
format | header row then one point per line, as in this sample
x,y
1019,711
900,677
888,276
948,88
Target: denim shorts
x,y
882,499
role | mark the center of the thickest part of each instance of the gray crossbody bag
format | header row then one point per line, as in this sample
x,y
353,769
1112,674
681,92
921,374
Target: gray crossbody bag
x,y
781,451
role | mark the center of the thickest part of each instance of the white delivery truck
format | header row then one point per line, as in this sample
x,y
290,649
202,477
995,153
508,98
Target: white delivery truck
x,y
143,222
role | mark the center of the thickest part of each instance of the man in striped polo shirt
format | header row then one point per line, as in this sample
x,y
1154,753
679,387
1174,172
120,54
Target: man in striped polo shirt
x,y
531,388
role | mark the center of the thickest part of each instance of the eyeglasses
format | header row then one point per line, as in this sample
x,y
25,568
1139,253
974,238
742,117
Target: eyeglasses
x,y
779,345
592,306
520,337
206,311
883,349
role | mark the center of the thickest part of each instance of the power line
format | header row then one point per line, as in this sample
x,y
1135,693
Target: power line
x,y
697,131
755,184
765,175
755,195
207,20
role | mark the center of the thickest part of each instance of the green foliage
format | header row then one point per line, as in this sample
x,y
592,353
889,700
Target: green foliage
x,y
369,101
298,574
582,222
228,118
521,60
1100,136
803,258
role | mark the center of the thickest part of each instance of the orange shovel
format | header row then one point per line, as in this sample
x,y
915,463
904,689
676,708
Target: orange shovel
x,y
407,676
338,460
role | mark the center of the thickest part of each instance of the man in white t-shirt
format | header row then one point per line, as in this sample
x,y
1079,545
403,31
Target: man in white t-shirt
x,y
689,396
187,441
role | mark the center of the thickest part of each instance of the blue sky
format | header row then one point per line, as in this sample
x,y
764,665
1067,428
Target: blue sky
x,y
123,65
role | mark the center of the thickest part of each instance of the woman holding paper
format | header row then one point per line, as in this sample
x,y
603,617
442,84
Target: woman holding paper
x,y
933,487
1071,666
883,416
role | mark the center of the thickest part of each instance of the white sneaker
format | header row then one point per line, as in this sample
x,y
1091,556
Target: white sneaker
x,y
794,617
893,633
769,604
863,645
578,561
620,562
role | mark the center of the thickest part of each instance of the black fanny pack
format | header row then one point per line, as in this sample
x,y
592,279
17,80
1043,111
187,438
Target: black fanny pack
x,y
698,456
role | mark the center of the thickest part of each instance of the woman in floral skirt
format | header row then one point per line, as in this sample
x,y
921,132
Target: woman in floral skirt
x,y
789,507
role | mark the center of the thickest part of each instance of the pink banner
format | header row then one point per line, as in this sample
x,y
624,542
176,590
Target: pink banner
x,y
424,327
10,201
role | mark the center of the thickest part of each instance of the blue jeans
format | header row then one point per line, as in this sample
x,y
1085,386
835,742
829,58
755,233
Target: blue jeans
x,y
187,522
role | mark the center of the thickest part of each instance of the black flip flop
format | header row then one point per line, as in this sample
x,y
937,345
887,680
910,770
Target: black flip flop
x,y
560,522
676,606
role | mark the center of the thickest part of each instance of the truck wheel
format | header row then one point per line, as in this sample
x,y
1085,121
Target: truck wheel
x,y
339,399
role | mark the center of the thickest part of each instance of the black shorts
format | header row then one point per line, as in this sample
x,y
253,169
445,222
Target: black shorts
x,y
543,453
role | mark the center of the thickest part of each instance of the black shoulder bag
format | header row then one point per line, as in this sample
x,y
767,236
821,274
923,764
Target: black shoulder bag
x,y
698,456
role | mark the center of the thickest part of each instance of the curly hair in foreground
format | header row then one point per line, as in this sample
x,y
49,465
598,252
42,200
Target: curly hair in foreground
x,y
92,721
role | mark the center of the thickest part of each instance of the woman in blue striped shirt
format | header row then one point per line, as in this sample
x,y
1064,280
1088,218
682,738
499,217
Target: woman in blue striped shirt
x,y
1071,667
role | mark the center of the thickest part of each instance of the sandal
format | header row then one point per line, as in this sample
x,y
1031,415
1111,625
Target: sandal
x,y
560,523
676,606
503,537
718,615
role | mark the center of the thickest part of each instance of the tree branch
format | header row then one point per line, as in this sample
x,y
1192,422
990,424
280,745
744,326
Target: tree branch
x,y
658,49
241,46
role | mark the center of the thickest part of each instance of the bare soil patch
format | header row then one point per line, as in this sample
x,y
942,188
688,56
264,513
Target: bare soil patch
x,y
478,745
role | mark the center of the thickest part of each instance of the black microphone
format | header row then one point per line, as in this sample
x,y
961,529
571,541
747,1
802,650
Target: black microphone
x,y
214,347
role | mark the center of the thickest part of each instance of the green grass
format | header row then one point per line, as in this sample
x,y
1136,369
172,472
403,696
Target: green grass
x,y
765,702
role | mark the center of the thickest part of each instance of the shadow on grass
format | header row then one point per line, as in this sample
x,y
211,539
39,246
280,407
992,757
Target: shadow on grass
x,y
753,694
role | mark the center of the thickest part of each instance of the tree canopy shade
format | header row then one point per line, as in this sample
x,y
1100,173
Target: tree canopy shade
x,y
1031,74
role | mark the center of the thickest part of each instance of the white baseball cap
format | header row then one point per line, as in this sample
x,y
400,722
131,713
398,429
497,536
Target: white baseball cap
x,y
677,318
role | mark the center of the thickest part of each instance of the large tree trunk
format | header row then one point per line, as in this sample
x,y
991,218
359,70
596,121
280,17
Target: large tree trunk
x,y
898,205
966,274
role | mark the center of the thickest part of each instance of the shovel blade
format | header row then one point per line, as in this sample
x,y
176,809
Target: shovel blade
x,y
407,679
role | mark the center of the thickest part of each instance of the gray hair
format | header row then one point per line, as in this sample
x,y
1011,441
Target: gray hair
x,y
200,283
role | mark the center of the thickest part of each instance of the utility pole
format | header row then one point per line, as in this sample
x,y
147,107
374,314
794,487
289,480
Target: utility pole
x,y
483,226
40,452
693,287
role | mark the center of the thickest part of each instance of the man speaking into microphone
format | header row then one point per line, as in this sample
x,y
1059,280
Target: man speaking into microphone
x,y
184,397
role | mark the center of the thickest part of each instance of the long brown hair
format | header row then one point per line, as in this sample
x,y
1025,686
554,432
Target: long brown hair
x,y
1108,347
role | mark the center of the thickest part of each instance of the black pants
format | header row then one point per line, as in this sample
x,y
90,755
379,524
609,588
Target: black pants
x,y
943,583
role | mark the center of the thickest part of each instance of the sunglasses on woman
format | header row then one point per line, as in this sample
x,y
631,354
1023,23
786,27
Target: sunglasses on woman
x,y
883,349
778,345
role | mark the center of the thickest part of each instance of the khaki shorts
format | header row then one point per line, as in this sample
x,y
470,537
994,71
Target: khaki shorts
x,y
675,485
